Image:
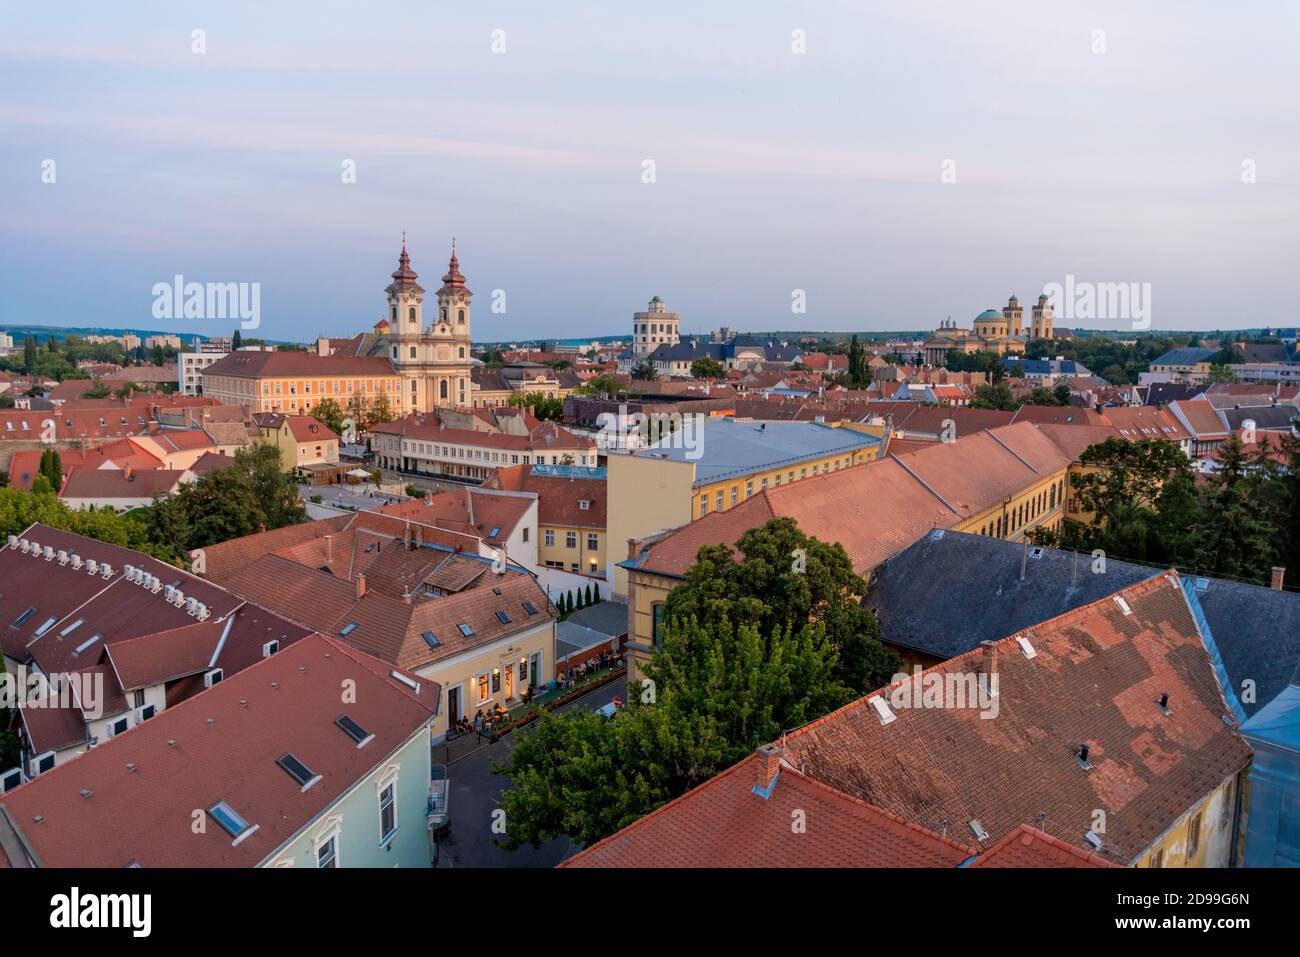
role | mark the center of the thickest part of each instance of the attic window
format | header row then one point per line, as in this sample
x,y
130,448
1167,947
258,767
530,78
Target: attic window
x,y
496,530
503,618
354,731
86,644
1123,605
231,821
409,682
430,639
466,630
18,622
530,608
298,771
583,504
978,830
496,591
1036,552
347,629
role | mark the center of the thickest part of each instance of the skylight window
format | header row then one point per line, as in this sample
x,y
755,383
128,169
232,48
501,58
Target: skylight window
x,y
18,622
348,629
231,821
86,644
46,625
72,627
530,608
466,630
353,730
496,530
298,771
503,618
430,639
883,710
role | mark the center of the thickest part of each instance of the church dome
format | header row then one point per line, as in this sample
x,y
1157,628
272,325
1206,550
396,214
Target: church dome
x,y
989,314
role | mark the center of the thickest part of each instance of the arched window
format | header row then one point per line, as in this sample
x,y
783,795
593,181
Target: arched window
x,y
444,315
460,316
411,313
442,388
394,314
1051,498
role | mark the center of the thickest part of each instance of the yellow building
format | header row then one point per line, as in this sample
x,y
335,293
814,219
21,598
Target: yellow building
x,y
571,513
1001,482
709,465
301,439
294,382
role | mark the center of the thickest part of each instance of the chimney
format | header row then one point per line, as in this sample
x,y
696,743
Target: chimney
x,y
361,587
1279,573
406,535
990,657
769,765
126,473
419,536
322,347
329,550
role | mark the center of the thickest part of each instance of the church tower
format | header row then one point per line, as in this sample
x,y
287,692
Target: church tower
x,y
1041,319
434,361
1014,314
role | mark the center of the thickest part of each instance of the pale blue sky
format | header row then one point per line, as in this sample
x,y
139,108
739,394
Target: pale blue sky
x,y
776,171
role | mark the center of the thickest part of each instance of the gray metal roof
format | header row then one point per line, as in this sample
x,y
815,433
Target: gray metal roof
x,y
727,448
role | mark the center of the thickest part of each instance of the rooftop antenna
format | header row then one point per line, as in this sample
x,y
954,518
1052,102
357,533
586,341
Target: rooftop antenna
x,y
1024,559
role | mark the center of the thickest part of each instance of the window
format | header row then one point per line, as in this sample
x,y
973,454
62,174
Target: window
x,y
327,851
704,505
212,677
657,617
1158,858
466,630
230,820
734,490
353,730
482,688
496,680
300,773
503,618
717,501
388,812
23,617
593,541
118,727
525,535
570,539
1193,835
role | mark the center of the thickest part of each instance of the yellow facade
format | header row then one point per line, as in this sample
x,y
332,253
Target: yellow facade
x,y
1202,837
575,548
298,395
720,496
293,454
480,678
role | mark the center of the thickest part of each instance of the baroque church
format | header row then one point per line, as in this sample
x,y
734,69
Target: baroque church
x,y
996,332
435,359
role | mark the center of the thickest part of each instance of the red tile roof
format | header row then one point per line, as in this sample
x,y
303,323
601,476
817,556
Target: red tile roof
x,y
1095,679
724,823
1027,846
559,498
297,363
119,484
126,801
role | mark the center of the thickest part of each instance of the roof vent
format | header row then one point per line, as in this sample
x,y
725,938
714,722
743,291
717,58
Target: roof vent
x,y
1093,840
1163,703
1081,755
86,793
1026,647
882,709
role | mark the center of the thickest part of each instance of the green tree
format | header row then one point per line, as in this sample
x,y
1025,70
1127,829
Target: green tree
x,y
707,367
995,396
1235,538
643,371
52,467
329,414
785,575
236,340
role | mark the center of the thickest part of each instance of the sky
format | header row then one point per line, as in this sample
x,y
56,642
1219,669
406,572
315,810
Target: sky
x,y
884,165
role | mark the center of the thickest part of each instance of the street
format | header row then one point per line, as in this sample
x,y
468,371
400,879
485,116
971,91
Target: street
x,y
474,793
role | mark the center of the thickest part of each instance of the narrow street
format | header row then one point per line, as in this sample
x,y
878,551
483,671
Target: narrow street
x,y
474,793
